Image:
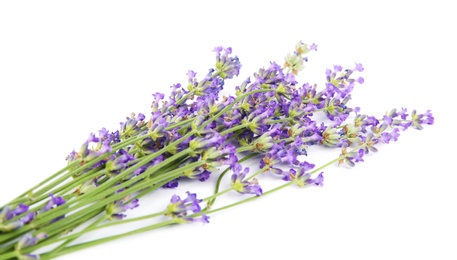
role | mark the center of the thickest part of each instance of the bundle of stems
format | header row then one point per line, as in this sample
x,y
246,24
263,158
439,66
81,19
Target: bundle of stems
x,y
197,134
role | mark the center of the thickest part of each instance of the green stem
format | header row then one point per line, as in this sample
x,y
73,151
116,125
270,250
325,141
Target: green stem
x,y
246,148
95,227
251,198
13,202
52,231
109,187
233,129
63,245
9,255
185,97
66,226
183,122
99,202
283,120
59,211
154,186
107,239
62,190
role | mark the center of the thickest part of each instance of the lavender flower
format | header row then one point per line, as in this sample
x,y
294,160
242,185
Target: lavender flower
x,y
226,66
242,186
115,209
52,203
7,214
419,119
180,208
27,241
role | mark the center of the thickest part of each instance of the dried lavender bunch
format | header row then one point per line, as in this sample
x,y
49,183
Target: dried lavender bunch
x,y
271,119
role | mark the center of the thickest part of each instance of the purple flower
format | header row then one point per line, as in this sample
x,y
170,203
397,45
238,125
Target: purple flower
x,y
27,241
191,74
387,120
157,97
358,157
226,66
302,178
6,214
52,203
115,209
119,162
385,137
140,117
180,208
131,126
318,181
242,186
395,134
203,219
157,128
370,141
313,47
269,161
360,80
359,67
208,141
197,173
21,208
171,184
402,113
92,139
27,218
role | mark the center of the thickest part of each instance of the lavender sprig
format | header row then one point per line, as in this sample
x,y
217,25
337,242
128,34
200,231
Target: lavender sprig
x,y
189,136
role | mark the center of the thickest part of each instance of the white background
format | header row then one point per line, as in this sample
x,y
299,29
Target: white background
x,y
70,68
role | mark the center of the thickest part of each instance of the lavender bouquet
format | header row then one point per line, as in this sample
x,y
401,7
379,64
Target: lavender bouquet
x,y
194,135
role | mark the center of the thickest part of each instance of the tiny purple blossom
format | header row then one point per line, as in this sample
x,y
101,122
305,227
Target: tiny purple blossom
x,y
180,208
359,67
52,203
92,138
387,120
103,134
242,186
385,137
360,80
359,156
140,117
28,240
313,47
21,208
115,209
318,181
171,184
395,134
191,74
402,113
106,147
328,72
218,50
27,218
158,96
